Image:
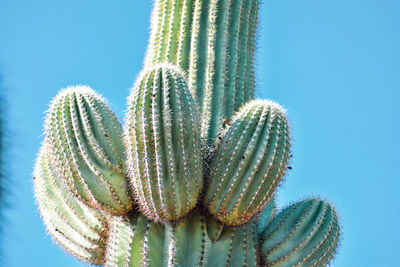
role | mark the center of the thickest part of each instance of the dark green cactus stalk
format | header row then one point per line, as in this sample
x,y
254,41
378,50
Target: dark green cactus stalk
x,y
304,234
164,144
250,162
203,159
78,228
86,141
214,42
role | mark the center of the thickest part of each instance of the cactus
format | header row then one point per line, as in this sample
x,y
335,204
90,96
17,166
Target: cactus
x,y
191,178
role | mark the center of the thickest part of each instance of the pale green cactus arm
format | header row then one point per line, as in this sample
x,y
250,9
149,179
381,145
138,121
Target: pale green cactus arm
x,y
249,163
214,42
162,136
79,229
86,141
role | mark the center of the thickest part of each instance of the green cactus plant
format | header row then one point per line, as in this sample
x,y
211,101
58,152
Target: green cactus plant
x,y
191,178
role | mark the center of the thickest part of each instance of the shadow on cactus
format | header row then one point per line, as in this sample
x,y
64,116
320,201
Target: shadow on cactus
x,y
190,179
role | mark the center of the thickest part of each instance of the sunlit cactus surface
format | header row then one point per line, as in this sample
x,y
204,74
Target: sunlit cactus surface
x,y
190,179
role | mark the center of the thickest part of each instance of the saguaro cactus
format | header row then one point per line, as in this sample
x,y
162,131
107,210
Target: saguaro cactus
x,y
190,181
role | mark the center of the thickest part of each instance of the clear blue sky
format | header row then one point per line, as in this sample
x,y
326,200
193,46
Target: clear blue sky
x,y
335,64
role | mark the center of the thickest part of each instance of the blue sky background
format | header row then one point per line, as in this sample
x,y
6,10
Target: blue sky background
x,y
335,64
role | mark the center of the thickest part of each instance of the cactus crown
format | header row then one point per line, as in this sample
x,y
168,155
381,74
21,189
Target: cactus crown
x,y
190,178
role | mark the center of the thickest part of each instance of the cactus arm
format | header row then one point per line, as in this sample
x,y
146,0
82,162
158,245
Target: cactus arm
x,y
163,141
304,234
244,178
78,228
82,133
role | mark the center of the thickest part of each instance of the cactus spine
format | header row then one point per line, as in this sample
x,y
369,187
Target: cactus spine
x,y
203,186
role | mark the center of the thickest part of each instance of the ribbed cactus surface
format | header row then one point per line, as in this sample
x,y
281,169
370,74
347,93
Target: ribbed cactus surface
x,y
78,228
214,42
86,146
250,162
190,179
138,241
164,144
305,233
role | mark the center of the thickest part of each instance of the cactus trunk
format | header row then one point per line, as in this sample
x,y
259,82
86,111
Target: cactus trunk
x,y
213,42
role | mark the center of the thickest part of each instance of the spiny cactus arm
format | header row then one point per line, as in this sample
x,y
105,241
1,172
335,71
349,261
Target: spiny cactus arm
x,y
162,136
249,163
79,229
214,42
85,140
304,234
